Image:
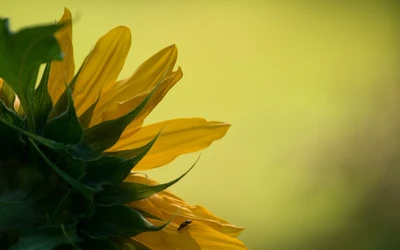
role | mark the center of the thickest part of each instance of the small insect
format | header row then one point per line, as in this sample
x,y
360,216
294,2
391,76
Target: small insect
x,y
184,224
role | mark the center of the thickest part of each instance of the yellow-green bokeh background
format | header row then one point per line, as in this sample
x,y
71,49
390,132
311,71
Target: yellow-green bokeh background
x,y
308,86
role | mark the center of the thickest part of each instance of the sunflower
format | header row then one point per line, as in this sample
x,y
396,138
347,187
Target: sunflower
x,y
70,142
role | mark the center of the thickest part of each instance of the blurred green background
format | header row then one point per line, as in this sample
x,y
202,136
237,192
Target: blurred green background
x,y
311,89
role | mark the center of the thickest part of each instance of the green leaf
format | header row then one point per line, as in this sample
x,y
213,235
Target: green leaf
x,y
130,191
21,54
7,95
46,238
113,169
42,103
104,135
15,210
117,221
86,191
65,128
129,244
86,117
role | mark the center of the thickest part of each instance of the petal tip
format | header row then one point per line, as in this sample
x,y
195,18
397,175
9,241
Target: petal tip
x,y
173,48
123,30
67,14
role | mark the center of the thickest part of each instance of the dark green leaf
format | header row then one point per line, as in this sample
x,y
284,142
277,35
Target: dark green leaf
x,y
7,95
86,117
86,191
15,210
130,191
104,135
46,238
42,103
66,127
118,221
21,54
113,169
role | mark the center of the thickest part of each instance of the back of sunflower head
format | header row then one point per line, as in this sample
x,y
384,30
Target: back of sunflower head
x,y
57,189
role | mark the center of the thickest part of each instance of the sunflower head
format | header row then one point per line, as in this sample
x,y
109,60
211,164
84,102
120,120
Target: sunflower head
x,y
70,141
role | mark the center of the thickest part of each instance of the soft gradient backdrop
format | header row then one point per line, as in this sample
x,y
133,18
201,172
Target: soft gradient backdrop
x,y
310,88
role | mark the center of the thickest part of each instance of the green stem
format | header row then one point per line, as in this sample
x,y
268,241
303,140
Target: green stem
x,y
53,216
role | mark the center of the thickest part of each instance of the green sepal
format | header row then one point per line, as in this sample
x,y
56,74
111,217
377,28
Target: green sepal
x,y
28,177
86,191
7,95
47,238
73,166
124,153
66,127
130,191
104,135
86,117
96,243
62,103
10,116
48,143
10,138
118,221
129,244
113,169
42,103
21,55
148,215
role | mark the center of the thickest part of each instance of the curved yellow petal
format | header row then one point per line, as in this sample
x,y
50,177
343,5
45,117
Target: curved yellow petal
x,y
207,231
102,67
162,90
125,95
124,107
1,82
180,136
62,72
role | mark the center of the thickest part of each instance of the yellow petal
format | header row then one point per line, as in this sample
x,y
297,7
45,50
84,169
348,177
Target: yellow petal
x,y
124,107
62,72
196,237
17,106
1,82
207,231
162,90
125,95
180,136
102,67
